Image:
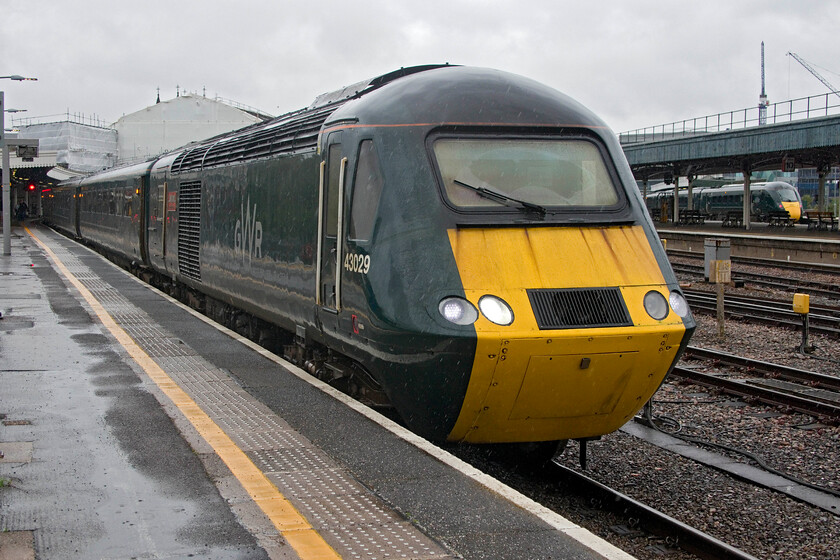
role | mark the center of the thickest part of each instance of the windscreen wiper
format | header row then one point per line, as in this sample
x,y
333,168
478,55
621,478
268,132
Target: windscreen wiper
x,y
503,198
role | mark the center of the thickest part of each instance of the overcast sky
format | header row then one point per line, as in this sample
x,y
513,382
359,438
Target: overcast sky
x,y
635,63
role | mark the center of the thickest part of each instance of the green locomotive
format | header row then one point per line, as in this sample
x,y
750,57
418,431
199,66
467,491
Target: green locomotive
x,y
467,244
716,202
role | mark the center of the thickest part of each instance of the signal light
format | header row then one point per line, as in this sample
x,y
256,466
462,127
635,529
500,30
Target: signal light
x,y
31,186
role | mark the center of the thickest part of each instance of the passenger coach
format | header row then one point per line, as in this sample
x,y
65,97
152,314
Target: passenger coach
x,y
716,202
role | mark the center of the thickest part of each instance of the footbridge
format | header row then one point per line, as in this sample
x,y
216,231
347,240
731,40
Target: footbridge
x,y
792,134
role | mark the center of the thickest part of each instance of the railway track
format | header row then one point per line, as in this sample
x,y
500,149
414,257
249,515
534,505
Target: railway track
x,y
644,518
804,391
822,319
793,389
605,509
820,289
810,268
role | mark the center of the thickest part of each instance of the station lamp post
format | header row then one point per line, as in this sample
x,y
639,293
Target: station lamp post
x,y
6,184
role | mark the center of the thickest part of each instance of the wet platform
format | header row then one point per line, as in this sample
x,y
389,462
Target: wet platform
x,y
133,427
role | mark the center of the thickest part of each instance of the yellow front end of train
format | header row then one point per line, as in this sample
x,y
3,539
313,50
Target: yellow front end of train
x,y
794,209
535,384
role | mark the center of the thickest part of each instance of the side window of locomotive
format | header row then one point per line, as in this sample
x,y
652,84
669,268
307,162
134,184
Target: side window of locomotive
x,y
552,173
367,188
334,172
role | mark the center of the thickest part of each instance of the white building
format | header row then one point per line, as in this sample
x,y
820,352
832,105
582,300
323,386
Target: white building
x,y
81,148
72,147
170,124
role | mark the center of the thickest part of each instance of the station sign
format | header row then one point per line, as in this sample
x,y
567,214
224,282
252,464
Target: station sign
x,y
788,164
25,148
27,153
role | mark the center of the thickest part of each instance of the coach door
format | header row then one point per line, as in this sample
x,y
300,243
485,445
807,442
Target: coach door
x,y
330,204
140,211
156,223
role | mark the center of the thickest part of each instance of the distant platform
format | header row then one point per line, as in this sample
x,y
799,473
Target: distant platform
x,y
796,244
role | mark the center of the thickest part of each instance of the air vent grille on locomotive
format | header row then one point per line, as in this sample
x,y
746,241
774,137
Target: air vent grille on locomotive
x,y
283,135
189,229
579,308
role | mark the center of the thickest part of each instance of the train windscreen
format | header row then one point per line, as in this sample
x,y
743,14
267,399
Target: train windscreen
x,y
479,173
788,195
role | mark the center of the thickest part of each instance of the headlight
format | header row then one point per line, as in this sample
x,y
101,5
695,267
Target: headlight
x,y
458,310
678,304
656,305
496,310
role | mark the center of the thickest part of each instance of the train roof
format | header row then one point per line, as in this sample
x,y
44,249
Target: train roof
x,y
764,185
360,88
759,185
431,94
288,133
462,95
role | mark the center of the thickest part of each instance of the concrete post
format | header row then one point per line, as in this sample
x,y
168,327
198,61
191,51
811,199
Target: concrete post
x,y
690,202
6,184
676,212
821,197
747,196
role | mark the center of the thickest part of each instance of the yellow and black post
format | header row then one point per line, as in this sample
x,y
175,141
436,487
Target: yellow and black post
x,y
801,305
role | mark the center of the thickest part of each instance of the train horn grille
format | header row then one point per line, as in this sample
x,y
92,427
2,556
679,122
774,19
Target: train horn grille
x,y
579,308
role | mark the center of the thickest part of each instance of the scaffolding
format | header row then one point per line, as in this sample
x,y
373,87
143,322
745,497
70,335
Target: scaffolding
x,y
78,147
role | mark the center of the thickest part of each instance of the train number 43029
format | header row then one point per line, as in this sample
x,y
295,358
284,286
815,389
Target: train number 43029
x,y
357,263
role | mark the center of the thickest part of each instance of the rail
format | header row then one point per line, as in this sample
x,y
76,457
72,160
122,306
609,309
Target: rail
x,y
822,105
810,378
773,281
794,396
656,522
768,312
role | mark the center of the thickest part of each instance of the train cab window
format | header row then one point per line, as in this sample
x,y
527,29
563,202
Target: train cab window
x,y
788,195
367,187
334,176
558,174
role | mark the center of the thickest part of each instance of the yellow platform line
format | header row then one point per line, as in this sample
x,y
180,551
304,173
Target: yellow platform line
x,y
297,531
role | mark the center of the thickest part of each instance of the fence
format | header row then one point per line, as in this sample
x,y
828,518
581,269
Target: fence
x,y
784,111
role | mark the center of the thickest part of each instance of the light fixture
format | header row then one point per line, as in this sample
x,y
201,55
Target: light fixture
x,y
458,310
496,310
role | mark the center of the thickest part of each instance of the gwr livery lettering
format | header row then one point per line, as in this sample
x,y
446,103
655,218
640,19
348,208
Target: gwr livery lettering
x,y
247,234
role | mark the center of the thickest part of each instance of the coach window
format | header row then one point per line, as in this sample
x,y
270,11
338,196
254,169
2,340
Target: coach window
x,y
367,187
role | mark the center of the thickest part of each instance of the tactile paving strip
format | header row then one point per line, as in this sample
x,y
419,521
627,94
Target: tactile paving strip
x,y
270,439
388,541
350,518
